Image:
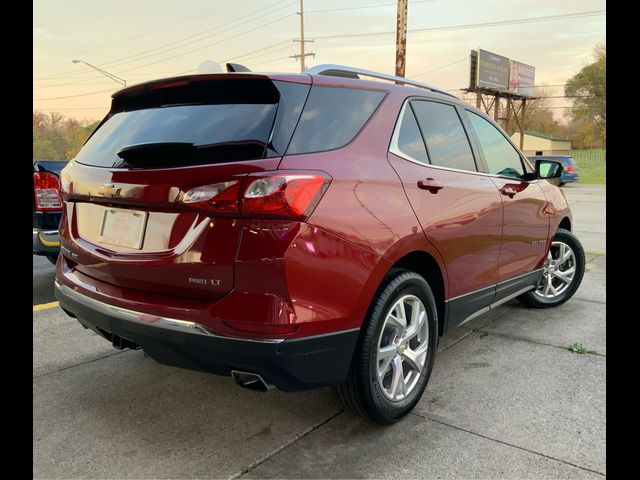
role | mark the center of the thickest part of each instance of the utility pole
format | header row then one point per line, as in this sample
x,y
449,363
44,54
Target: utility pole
x,y
302,41
401,38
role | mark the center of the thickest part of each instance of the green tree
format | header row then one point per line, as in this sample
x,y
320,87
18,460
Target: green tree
x,y
588,90
57,138
539,116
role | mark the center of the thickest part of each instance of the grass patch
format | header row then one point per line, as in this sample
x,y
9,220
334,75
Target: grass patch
x,y
579,349
592,167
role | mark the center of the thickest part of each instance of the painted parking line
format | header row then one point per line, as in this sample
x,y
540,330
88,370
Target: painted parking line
x,y
44,306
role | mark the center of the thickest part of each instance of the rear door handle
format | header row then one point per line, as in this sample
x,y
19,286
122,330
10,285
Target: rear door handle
x,y
508,191
430,184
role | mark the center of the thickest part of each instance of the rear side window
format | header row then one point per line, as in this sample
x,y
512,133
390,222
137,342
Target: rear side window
x,y
502,159
446,140
409,141
234,127
332,117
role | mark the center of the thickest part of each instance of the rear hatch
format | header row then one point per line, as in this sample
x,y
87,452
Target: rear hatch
x,y
133,216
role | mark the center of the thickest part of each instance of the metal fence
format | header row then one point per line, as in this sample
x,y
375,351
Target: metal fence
x,y
589,156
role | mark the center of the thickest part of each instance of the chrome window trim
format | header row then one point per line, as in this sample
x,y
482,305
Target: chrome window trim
x,y
404,156
393,148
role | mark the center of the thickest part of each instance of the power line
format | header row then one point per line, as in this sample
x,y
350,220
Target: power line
x,y
205,46
365,7
73,96
515,21
72,73
100,47
440,68
208,45
166,73
286,47
110,90
534,86
575,96
271,60
235,57
101,77
142,55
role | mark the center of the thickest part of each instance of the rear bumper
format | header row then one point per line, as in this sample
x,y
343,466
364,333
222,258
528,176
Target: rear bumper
x,y
45,242
290,365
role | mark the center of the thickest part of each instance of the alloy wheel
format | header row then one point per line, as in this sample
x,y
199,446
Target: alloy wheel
x,y
559,271
402,348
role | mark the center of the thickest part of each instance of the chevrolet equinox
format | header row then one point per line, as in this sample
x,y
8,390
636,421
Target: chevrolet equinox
x,y
306,230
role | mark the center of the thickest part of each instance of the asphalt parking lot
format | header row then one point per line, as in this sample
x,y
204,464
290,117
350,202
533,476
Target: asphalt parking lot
x,y
506,399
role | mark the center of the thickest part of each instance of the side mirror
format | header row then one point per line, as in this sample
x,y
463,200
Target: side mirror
x,y
548,169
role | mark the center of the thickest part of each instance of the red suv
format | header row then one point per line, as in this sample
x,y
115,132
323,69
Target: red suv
x,y
306,230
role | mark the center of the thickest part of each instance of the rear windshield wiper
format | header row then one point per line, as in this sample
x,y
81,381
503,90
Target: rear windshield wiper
x,y
158,153
166,154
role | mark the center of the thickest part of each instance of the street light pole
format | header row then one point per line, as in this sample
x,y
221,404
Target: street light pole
x,y
106,74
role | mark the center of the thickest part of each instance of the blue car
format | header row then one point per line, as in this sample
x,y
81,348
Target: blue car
x,y
570,171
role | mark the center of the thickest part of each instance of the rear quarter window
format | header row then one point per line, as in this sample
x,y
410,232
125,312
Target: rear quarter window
x,y
332,117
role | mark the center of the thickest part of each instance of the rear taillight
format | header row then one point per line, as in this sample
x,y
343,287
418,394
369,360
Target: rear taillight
x,y
289,195
47,191
568,169
283,195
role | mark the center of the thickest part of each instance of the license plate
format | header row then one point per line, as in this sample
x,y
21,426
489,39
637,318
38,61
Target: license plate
x,y
124,228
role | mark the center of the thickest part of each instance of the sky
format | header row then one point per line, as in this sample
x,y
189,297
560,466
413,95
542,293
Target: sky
x,y
140,40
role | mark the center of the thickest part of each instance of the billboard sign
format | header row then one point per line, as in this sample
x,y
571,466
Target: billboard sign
x,y
493,71
490,71
521,78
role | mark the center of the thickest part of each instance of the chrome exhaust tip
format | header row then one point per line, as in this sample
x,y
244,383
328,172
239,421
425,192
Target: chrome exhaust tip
x,y
252,381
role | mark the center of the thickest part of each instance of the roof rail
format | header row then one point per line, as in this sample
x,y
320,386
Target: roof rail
x,y
352,72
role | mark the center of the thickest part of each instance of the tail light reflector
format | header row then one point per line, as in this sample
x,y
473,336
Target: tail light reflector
x,y
47,191
569,169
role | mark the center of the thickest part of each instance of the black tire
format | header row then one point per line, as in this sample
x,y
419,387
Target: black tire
x,y
531,299
361,393
52,258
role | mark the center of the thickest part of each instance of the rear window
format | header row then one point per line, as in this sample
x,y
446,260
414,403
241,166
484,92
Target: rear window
x,y
180,135
332,117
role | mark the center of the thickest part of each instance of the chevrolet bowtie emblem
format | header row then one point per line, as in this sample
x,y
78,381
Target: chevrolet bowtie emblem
x,y
109,190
